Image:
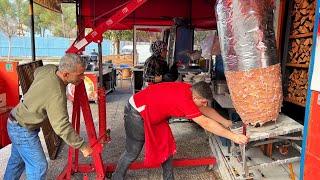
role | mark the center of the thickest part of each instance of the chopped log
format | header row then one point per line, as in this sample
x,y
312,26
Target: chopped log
x,y
304,4
297,86
304,11
303,19
299,52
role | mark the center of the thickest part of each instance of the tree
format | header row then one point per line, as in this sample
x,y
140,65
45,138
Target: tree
x,y
61,25
43,20
200,35
10,19
147,36
21,8
116,35
66,25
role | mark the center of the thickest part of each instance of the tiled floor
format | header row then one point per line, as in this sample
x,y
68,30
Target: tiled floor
x,y
190,138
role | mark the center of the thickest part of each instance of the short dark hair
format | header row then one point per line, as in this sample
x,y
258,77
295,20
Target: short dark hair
x,y
203,89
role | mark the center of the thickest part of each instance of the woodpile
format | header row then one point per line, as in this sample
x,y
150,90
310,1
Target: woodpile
x,y
303,17
300,51
298,85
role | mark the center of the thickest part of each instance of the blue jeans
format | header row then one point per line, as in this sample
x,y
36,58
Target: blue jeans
x,y
26,154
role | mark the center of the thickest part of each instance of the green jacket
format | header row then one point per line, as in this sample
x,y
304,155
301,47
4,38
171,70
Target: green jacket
x,y
46,98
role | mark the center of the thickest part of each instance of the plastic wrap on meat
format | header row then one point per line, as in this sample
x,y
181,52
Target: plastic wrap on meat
x,y
248,48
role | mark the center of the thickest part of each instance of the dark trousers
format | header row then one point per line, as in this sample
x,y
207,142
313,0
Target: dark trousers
x,y
134,129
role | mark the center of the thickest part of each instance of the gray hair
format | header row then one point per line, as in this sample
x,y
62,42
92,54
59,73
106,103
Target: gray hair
x,y
69,61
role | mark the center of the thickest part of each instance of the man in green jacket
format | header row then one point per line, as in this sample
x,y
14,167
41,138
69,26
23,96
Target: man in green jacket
x,y
46,98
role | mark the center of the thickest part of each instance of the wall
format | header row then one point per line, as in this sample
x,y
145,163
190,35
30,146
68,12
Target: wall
x,y
45,46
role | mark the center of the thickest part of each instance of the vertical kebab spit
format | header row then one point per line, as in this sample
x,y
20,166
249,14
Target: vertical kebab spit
x,y
251,65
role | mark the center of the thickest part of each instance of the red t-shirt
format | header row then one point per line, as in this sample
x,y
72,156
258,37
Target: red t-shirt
x,y
162,101
168,99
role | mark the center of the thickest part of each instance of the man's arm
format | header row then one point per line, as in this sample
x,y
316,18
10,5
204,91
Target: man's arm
x,y
216,128
59,119
213,114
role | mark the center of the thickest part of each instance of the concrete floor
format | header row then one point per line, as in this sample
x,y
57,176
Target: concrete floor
x,y
191,142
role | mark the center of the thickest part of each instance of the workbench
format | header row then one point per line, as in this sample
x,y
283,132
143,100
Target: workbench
x,y
248,162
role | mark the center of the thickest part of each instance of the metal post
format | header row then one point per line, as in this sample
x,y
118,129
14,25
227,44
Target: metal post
x,y
102,100
134,53
243,153
100,65
33,49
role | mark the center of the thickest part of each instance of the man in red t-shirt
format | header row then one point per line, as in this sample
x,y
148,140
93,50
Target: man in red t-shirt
x,y
146,122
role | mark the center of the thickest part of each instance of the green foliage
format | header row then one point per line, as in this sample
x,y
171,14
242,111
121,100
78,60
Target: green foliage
x,y
63,25
11,12
68,28
15,19
114,35
199,36
11,17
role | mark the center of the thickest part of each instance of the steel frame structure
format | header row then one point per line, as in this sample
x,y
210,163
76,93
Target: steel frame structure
x,y
81,103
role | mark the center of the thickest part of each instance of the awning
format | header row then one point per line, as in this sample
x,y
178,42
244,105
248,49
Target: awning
x,y
200,13
53,5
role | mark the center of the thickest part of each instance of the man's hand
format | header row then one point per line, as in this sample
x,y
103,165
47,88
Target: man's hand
x,y
158,79
240,139
227,123
86,151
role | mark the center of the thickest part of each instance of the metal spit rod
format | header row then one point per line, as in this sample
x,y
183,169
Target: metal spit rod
x,y
243,152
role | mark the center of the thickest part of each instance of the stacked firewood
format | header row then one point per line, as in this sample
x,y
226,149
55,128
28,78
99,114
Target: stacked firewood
x,y
300,51
303,17
298,85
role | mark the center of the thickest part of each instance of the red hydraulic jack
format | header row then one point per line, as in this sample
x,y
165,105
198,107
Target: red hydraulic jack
x,y
81,103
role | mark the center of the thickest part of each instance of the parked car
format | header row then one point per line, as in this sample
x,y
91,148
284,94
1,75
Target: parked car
x,y
143,51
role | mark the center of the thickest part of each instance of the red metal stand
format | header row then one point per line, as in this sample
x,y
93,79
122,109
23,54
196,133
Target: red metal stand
x,y
96,34
81,103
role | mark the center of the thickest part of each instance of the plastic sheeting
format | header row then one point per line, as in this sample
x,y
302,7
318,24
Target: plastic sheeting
x,y
246,34
248,48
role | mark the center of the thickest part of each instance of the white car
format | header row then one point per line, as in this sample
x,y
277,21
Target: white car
x,y
143,51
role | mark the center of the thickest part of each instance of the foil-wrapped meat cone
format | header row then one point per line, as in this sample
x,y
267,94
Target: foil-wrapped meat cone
x,y
248,48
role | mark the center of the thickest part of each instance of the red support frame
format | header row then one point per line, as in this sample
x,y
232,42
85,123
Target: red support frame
x,y
81,103
96,34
